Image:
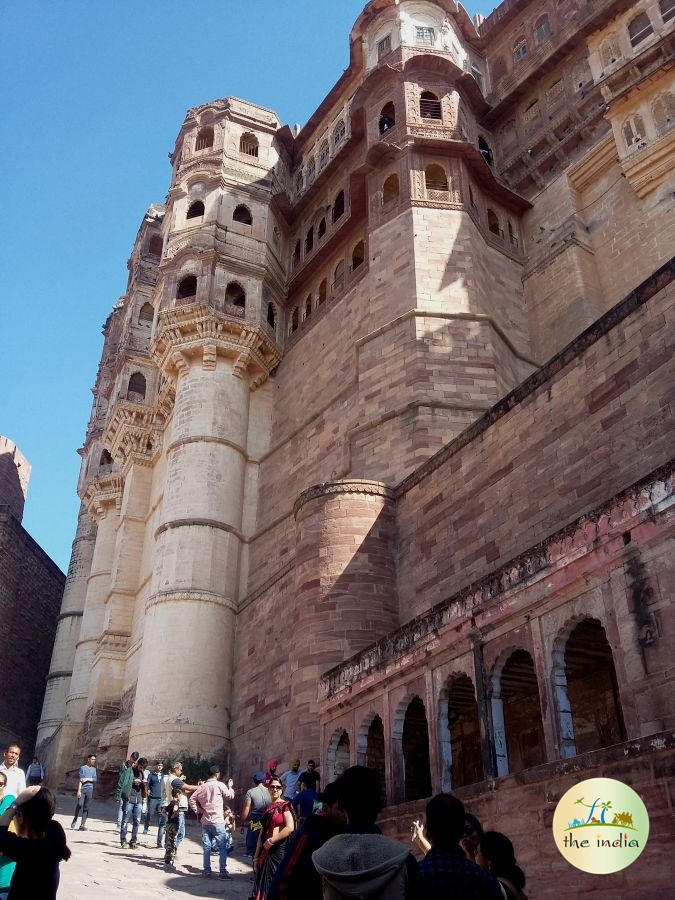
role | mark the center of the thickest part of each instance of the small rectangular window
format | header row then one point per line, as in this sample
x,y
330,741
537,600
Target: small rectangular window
x,y
384,46
425,36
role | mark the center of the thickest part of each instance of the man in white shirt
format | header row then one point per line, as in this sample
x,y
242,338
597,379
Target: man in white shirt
x,y
16,777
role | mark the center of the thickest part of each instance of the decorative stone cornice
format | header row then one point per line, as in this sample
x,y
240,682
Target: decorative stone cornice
x,y
162,598
103,493
188,331
350,486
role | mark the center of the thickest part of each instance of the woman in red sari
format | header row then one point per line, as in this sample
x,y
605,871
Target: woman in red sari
x,y
277,826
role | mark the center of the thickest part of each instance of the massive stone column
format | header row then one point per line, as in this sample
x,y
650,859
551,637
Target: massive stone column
x,y
107,677
65,644
345,579
185,672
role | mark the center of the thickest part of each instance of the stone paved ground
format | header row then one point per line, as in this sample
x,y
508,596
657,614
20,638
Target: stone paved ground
x,y
99,869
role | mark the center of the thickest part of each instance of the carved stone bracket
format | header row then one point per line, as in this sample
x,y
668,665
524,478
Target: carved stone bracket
x,y
102,493
132,436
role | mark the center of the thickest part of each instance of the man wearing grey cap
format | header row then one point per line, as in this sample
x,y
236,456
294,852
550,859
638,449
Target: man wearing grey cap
x,y
256,801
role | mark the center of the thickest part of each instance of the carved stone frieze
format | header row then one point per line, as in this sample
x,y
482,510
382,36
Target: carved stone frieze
x,y
187,331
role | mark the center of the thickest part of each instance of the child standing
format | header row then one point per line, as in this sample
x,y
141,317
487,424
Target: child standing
x,y
172,814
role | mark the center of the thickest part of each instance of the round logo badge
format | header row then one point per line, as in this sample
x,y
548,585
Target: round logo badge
x,y
600,826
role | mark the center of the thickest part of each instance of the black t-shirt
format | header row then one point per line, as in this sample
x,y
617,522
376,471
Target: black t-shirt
x,y
36,876
311,779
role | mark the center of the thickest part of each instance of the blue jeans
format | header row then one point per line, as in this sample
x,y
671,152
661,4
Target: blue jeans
x,y
130,810
219,834
181,828
154,817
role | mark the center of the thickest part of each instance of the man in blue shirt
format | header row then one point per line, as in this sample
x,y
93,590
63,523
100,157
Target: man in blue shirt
x,y
85,791
156,802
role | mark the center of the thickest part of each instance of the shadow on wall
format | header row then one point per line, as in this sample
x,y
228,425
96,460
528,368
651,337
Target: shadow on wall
x,y
12,486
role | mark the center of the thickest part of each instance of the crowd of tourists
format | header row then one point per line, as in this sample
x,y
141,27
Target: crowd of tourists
x,y
305,843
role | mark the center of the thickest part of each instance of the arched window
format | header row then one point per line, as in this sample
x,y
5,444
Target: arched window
x,y
586,689
271,315
430,106
205,138
195,210
322,228
136,387
512,234
435,178
390,188
339,133
542,29
485,150
308,306
106,459
187,288
339,276
311,171
339,206
609,51
371,750
337,754
459,731
146,314
663,111
248,144
358,255
493,222
633,131
155,246
667,8
295,320
295,259
235,295
341,763
520,49
387,117
323,292
516,715
242,214
309,240
639,29
323,154
498,70
415,747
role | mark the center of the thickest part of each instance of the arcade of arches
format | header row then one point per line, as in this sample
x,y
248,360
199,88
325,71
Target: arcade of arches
x,y
496,734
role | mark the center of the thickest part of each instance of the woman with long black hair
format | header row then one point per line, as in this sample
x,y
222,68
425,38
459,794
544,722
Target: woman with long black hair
x,y
496,854
278,824
38,846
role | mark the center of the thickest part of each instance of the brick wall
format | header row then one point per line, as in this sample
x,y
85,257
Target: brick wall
x,y
31,586
541,456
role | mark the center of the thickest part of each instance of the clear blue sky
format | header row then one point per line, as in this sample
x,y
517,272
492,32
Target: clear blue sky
x,y
95,93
